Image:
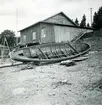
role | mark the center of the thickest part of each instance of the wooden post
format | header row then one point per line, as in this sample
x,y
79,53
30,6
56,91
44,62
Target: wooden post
x,y
72,47
42,53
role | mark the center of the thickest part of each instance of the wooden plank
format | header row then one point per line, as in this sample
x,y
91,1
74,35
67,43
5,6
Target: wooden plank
x,y
42,53
54,54
63,53
72,47
60,52
67,51
10,65
17,57
51,50
57,54
38,56
48,52
81,58
47,55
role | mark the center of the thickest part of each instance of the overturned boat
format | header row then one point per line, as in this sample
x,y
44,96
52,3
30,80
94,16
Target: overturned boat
x,y
50,52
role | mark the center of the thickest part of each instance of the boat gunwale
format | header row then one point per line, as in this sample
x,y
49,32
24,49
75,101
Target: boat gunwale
x,y
46,45
23,58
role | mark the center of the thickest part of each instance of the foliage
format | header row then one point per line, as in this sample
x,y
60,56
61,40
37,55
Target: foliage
x,y
18,39
76,21
10,36
88,25
83,21
97,19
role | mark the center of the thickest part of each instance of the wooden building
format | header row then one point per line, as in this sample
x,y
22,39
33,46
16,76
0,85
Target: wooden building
x,y
58,28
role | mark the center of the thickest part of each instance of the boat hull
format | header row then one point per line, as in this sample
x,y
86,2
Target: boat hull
x,y
52,52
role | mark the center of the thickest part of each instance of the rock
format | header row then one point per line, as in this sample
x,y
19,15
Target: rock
x,y
18,91
68,63
64,62
61,83
71,63
51,94
93,52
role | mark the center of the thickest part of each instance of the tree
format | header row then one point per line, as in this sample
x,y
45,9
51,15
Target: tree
x,y
97,19
10,36
76,21
88,25
83,21
18,39
99,22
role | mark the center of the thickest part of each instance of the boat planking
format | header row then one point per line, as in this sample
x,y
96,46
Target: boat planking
x,y
50,52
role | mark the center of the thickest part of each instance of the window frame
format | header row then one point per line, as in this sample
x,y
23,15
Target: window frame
x,y
24,38
43,33
34,35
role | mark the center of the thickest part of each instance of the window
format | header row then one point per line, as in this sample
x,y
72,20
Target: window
x,y
43,34
34,35
24,38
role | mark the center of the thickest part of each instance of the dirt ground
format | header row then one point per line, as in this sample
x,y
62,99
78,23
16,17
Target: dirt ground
x,y
55,84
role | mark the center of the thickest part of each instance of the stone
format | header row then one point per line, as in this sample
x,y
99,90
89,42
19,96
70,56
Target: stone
x,y
68,63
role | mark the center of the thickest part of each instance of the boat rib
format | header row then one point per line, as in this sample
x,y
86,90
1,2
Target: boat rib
x,y
52,52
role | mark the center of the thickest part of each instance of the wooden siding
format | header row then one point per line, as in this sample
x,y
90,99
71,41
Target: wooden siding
x,y
29,34
49,31
63,33
54,33
59,19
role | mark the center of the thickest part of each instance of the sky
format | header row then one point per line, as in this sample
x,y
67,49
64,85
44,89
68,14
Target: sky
x,y
18,14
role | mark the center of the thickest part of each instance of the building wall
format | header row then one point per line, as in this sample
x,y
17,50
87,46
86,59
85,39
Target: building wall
x,y
28,33
53,33
59,19
49,33
63,33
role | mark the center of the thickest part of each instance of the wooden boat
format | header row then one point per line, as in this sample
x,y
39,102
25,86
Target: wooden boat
x,y
51,52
